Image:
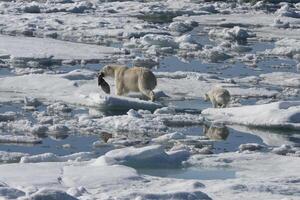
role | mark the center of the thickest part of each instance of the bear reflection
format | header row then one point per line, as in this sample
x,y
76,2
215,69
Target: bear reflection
x,y
216,132
105,136
55,136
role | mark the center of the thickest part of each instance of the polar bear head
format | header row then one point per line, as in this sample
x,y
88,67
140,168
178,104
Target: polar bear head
x,y
107,70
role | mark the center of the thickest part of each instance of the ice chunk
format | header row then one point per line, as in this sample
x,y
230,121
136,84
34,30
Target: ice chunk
x,y
188,42
164,110
80,74
283,150
31,101
215,54
121,103
286,79
80,7
235,33
287,11
8,116
145,62
9,157
168,137
32,8
77,191
29,47
280,24
182,27
10,193
19,139
159,40
50,157
250,147
283,114
58,108
133,113
147,156
285,47
46,193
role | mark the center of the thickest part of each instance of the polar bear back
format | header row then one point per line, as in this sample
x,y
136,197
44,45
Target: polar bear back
x,y
219,95
136,78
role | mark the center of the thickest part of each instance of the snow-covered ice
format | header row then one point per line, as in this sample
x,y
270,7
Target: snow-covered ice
x,y
283,114
62,137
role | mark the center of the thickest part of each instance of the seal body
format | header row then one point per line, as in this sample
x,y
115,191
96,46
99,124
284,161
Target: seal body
x,y
104,85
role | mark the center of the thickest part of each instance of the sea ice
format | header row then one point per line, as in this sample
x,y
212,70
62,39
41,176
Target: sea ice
x,y
283,114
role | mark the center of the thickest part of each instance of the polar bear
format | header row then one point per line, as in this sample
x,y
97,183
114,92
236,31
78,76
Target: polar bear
x,y
135,79
216,132
218,96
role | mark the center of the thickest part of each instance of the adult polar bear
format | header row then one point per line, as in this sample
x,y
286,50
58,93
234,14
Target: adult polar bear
x,y
135,79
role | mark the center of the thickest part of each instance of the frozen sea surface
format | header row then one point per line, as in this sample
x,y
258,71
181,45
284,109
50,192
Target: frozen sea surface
x,y
84,144
191,173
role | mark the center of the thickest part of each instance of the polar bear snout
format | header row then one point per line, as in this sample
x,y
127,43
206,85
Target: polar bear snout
x,y
108,70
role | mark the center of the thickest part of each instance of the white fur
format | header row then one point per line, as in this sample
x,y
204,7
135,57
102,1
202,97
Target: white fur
x,y
135,79
218,96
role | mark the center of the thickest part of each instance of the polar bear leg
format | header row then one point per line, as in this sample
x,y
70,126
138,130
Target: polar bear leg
x,y
148,93
119,88
214,103
223,105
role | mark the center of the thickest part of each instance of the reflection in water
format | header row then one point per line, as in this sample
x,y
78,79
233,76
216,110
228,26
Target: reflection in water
x,y
105,136
58,136
271,137
216,132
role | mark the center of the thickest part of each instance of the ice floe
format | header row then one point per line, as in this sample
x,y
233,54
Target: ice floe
x,y
285,79
121,103
276,173
283,114
146,156
24,47
100,179
236,33
50,157
19,139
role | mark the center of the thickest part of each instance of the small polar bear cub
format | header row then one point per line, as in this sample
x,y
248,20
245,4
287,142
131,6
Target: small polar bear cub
x,y
219,97
135,79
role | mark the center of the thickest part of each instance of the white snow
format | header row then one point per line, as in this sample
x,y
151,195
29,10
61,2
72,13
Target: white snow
x,y
57,88
146,156
236,33
286,79
48,99
283,114
257,175
121,103
19,139
285,47
100,179
50,157
26,47
169,136
158,40
9,157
